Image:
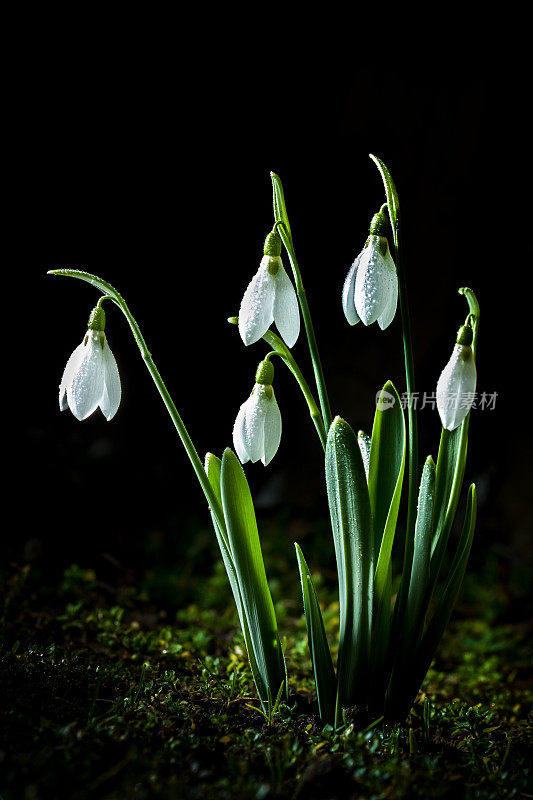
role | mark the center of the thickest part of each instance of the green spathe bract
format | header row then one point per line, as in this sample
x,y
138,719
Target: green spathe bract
x,y
386,640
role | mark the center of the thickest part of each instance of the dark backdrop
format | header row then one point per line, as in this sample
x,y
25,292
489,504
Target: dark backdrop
x,y
163,189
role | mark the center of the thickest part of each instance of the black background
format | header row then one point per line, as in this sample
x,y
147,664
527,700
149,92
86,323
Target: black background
x,y
158,181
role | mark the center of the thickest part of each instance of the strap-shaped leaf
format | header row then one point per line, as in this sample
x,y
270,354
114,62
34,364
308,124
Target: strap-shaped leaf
x,y
407,681
351,521
415,612
325,680
444,609
213,466
247,558
451,462
385,477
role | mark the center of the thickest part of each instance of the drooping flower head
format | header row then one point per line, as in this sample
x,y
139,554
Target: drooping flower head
x,y
370,290
90,379
270,297
457,384
257,429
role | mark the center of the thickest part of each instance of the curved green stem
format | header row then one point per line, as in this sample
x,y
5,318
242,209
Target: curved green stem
x,y
178,423
473,315
281,350
411,420
111,293
393,206
306,314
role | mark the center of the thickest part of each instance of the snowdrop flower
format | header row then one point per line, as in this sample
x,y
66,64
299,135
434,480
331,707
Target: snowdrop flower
x,y
457,384
257,429
370,290
270,297
91,376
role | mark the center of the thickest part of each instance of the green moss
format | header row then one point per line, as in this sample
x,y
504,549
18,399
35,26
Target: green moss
x,y
106,695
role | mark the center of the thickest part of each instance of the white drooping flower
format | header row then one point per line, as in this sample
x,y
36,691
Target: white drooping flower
x,y
370,290
257,429
457,384
90,379
270,297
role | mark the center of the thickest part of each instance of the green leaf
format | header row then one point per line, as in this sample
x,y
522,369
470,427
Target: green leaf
x,y
451,462
385,476
351,520
444,609
413,624
407,681
213,467
325,680
247,557
385,480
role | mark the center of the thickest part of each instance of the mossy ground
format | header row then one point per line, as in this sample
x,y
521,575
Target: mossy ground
x,y
108,691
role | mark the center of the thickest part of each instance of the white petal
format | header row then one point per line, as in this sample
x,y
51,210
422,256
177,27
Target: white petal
x,y
372,284
257,306
253,434
286,309
456,387
69,370
388,313
272,428
238,441
348,291
112,389
84,390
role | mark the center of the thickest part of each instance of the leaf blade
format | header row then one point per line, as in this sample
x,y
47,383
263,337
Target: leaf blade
x,y
213,468
325,679
247,557
352,533
420,572
385,476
